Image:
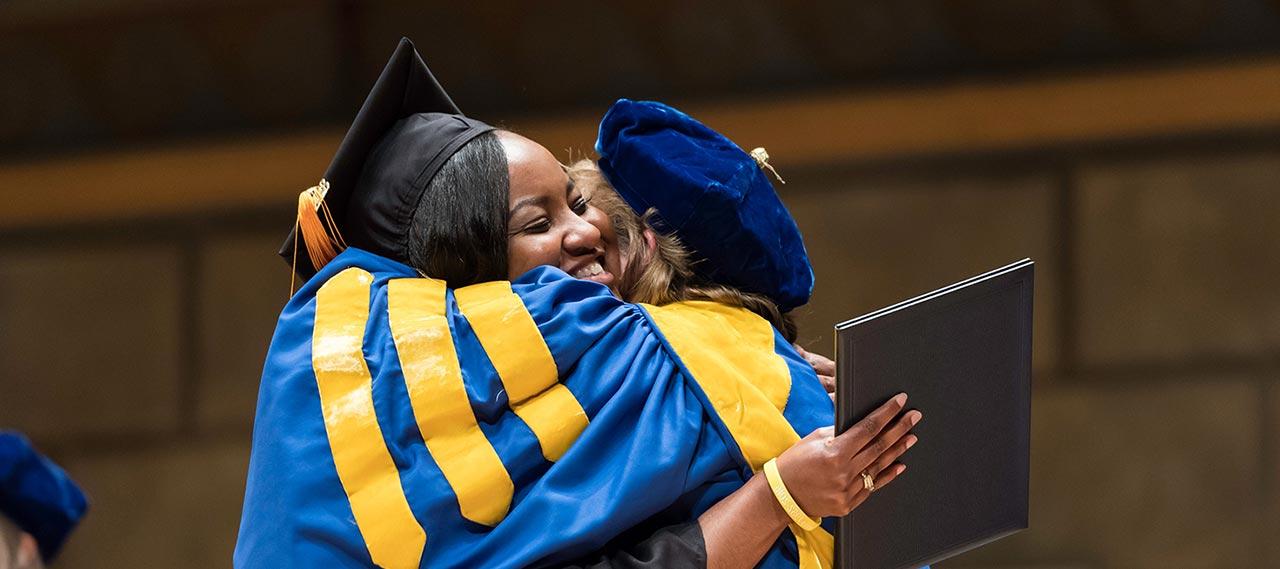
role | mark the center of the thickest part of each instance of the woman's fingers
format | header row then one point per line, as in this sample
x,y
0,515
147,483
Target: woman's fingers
x,y
828,383
890,456
887,439
825,481
821,364
885,477
864,431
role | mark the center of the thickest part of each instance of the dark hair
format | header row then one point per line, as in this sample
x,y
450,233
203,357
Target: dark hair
x,y
459,230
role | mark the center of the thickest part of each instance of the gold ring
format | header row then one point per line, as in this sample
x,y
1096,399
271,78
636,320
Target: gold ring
x,y
868,482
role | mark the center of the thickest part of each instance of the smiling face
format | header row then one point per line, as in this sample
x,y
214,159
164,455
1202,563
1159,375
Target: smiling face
x,y
551,222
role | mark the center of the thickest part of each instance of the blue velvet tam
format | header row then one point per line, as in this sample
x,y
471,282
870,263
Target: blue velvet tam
x,y
711,194
37,495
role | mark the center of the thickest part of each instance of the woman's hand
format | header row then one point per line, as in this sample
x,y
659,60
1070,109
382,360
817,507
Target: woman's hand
x,y
823,365
823,471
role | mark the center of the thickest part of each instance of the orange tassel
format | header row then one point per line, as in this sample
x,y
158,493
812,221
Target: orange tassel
x,y
316,229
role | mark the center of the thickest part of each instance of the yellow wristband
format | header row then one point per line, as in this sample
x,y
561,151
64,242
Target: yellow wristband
x,y
789,505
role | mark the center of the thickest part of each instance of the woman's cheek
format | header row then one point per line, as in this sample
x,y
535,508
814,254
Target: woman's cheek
x,y
520,256
597,217
525,252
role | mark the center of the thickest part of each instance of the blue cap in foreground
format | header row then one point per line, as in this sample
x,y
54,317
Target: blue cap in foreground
x,y
37,495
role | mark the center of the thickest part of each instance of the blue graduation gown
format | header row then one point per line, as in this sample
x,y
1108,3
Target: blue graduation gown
x,y
404,424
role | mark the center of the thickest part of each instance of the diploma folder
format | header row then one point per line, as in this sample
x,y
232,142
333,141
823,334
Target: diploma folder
x,y
963,356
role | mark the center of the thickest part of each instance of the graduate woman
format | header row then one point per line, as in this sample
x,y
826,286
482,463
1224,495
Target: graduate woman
x,y
739,233
408,421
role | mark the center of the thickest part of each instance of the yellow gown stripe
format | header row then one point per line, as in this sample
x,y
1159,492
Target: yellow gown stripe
x,y
730,354
511,339
433,378
369,477
729,351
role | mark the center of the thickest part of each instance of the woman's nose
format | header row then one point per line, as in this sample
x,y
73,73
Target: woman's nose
x,y
582,238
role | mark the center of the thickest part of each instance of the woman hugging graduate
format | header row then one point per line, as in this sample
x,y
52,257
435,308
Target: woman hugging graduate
x,y
463,382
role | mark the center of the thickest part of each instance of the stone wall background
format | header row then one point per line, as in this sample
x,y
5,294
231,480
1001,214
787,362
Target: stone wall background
x,y
132,351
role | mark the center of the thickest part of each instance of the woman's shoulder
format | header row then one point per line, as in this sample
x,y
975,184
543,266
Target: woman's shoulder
x,y
714,336
715,319
547,291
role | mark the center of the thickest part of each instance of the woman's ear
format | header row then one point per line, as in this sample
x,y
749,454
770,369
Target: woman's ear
x,y
650,244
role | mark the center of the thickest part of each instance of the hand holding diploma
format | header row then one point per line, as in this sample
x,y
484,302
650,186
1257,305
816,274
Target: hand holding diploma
x,y
825,472
823,475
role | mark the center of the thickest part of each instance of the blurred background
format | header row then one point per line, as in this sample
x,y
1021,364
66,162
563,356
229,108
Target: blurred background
x,y
151,153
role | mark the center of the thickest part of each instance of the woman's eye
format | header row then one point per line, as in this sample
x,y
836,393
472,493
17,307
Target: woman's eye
x,y
540,226
580,206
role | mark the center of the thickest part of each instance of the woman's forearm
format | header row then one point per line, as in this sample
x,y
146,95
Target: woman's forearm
x,y
741,528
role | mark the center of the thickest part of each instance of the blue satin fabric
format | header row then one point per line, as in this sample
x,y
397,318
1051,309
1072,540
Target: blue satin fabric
x,y
654,448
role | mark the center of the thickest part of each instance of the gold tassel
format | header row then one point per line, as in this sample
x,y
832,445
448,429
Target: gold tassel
x,y
761,157
316,229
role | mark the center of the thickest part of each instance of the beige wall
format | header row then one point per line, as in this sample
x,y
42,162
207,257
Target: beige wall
x,y
131,344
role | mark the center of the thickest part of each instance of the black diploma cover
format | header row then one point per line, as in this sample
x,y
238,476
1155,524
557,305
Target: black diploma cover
x,y
963,356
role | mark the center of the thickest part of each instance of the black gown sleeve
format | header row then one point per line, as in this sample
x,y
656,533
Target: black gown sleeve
x,y
679,546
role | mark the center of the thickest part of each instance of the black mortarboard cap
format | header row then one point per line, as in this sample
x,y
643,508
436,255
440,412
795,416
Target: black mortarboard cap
x,y
405,131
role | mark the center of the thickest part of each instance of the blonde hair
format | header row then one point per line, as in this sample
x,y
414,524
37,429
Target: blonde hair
x,y
664,275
